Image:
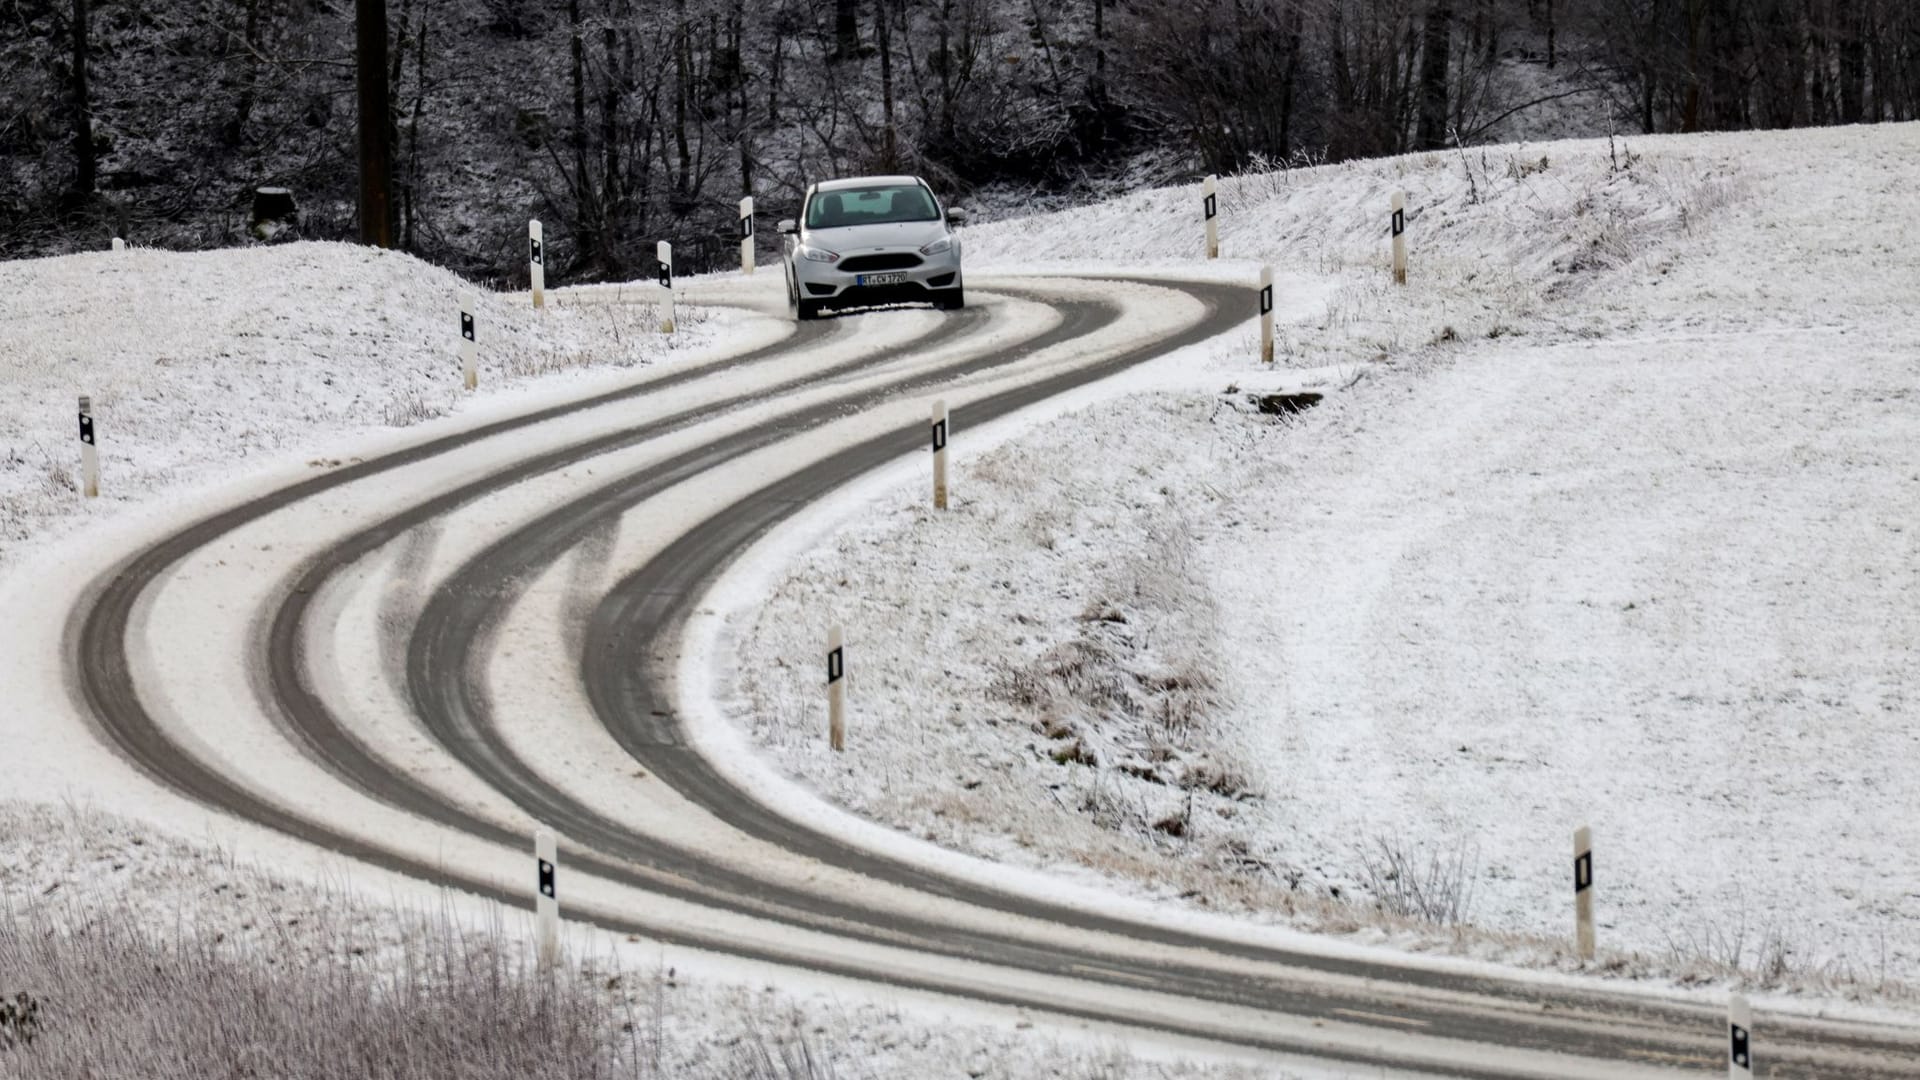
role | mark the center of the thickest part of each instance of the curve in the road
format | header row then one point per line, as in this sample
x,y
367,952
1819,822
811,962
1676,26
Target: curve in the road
x,y
640,618
644,613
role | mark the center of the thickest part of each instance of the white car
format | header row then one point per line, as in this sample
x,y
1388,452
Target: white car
x,y
872,240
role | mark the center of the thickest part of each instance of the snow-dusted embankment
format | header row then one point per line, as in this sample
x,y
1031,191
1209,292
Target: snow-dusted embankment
x,y
205,365
1616,528
303,941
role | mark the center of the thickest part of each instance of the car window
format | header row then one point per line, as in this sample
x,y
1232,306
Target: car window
x,y
876,205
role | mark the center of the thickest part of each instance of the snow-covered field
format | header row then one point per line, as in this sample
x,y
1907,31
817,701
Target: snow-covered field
x,y
1615,528
207,365
1605,519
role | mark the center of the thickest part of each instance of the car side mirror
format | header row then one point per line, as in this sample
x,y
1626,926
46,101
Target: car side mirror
x,y
957,216
787,227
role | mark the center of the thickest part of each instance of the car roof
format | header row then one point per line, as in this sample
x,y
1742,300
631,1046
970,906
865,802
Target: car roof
x,y
866,181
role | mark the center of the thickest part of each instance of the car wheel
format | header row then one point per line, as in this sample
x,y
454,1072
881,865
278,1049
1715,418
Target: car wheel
x,y
805,310
951,299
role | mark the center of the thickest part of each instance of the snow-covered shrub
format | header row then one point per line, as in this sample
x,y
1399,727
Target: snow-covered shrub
x,y
19,1020
1436,888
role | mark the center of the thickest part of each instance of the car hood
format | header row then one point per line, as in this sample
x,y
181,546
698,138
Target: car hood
x,y
852,239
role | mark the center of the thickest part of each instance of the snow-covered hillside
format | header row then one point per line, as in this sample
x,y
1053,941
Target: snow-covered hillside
x,y
202,365
1605,518
1616,528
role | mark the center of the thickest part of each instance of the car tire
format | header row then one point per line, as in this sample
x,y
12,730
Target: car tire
x,y
807,310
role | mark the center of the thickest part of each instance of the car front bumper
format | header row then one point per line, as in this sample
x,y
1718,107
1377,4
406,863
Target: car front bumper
x,y
831,285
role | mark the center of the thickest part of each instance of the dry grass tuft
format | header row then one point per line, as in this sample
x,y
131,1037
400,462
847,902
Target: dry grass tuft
x,y
104,996
1437,890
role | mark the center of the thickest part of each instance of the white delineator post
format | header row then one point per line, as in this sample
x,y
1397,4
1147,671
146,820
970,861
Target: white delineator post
x,y
546,899
1583,891
1266,314
1399,238
665,254
469,348
1210,206
119,244
836,690
940,455
1739,1038
746,235
89,452
537,262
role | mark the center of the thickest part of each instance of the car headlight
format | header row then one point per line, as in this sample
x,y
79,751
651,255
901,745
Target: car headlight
x,y
938,247
820,254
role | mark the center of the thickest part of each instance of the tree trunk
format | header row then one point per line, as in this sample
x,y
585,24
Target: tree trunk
x,y
610,123
1099,89
1435,51
892,145
1913,64
402,210
1405,110
742,125
1296,28
1777,47
846,29
945,63
375,120
579,139
413,135
1690,111
1817,70
683,77
1730,97
1553,37
1853,65
1648,85
236,130
1342,70
86,165
773,82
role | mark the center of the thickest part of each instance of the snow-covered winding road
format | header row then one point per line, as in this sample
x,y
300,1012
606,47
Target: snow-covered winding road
x,y
416,659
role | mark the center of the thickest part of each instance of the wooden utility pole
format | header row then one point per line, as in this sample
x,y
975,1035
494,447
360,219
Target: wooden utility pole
x,y
376,148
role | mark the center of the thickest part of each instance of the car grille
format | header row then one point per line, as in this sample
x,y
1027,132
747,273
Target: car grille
x,y
867,264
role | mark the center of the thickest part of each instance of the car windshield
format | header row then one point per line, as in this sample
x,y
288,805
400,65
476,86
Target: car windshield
x,y
870,206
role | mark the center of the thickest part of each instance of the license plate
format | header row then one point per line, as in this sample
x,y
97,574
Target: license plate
x,y
879,279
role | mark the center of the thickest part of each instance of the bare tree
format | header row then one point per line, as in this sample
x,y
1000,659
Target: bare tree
x,y
1223,72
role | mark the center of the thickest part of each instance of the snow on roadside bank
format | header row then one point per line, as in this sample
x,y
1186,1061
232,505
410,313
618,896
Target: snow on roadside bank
x,y
208,364
62,868
1610,531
